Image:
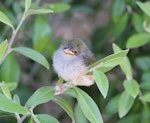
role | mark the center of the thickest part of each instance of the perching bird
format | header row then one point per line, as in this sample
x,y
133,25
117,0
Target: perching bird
x,y
71,61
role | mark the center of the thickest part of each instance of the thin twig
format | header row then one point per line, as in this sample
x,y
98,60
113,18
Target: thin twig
x,y
12,39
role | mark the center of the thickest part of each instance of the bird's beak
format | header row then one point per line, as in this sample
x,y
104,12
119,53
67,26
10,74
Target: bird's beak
x,y
69,51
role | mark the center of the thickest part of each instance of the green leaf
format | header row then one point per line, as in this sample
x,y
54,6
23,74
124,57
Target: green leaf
x,y
65,105
10,70
32,54
6,91
16,99
42,34
79,116
145,7
45,118
9,106
143,62
145,85
133,118
146,76
118,8
58,7
145,98
120,25
12,85
125,65
4,19
145,114
3,47
88,106
112,106
137,22
138,40
39,11
27,4
125,103
132,87
101,82
107,59
42,95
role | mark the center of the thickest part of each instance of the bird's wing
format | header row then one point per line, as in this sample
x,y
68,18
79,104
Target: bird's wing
x,y
88,57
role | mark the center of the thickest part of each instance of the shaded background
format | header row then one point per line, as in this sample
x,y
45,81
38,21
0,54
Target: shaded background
x,y
100,23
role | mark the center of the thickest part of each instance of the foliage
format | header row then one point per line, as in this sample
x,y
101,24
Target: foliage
x,y
130,101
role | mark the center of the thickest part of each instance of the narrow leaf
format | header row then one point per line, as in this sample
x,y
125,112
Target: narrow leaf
x,y
45,118
125,103
145,114
79,116
39,11
42,95
112,106
32,54
65,105
146,97
132,87
6,91
125,65
3,47
88,106
9,106
138,40
99,63
145,7
102,82
4,19
58,7
16,99
27,4
12,70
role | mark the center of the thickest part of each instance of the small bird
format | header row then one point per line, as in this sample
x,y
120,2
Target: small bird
x,y
71,61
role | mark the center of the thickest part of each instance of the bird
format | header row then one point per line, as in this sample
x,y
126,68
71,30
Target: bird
x,y
71,61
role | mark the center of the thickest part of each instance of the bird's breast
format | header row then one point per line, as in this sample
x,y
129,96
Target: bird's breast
x,y
68,67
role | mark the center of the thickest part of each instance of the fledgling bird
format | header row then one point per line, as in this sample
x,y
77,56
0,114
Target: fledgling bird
x,y
71,61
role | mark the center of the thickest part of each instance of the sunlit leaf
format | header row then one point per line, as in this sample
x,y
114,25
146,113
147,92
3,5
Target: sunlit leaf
x,y
138,40
42,95
132,87
102,82
45,118
4,19
3,47
65,105
32,54
16,99
9,106
145,97
106,60
38,11
6,91
125,103
79,116
88,106
125,65
145,7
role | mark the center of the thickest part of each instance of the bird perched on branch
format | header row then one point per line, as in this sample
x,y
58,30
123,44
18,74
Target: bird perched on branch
x,y
71,61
